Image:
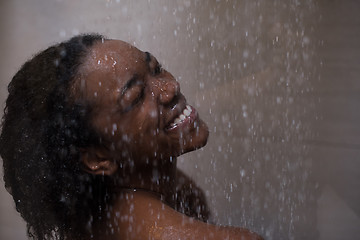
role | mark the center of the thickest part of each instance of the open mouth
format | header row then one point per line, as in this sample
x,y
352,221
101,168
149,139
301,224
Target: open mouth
x,y
186,117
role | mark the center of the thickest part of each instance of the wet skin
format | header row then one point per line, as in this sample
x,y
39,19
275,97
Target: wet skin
x,y
134,104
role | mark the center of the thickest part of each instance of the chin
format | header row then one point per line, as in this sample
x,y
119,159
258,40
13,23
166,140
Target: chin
x,y
196,141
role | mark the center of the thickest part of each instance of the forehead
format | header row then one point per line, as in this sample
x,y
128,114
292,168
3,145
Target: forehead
x,y
106,69
112,62
114,52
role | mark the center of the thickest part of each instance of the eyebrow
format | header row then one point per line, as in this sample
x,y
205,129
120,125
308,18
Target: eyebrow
x,y
129,83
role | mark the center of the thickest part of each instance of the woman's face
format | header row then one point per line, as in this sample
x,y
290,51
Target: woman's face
x,y
138,108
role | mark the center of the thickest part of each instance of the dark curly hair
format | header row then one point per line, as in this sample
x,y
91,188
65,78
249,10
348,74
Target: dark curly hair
x,y
43,131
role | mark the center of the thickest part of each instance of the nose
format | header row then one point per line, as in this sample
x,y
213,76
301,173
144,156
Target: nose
x,y
167,88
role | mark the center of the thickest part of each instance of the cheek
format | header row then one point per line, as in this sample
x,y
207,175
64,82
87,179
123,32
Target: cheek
x,y
148,113
147,121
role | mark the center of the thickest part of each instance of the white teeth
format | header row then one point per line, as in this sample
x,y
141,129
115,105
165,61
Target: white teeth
x,y
182,117
186,112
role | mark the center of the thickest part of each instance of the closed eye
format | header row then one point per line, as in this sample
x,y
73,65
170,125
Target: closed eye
x,y
131,95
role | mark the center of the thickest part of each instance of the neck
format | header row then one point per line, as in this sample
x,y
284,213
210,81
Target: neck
x,y
158,176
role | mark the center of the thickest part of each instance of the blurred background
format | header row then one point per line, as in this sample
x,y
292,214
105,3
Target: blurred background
x,y
276,81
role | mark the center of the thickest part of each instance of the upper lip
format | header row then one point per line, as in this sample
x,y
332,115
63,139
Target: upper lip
x,y
175,112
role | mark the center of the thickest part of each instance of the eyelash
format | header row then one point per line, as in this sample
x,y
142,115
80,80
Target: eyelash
x,y
139,97
135,102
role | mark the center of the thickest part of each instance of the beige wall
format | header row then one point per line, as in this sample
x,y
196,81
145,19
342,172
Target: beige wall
x,y
277,81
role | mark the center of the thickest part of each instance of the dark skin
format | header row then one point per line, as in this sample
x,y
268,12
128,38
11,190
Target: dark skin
x,y
137,109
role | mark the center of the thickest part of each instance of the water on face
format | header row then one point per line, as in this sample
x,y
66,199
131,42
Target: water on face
x,y
255,68
248,67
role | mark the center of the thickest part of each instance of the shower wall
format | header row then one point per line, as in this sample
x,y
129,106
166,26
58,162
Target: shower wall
x,y
276,81
336,151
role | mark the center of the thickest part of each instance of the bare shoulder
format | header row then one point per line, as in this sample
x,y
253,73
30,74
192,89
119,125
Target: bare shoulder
x,y
190,198
144,216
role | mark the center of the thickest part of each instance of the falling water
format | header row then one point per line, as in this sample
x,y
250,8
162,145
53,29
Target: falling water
x,y
249,67
256,63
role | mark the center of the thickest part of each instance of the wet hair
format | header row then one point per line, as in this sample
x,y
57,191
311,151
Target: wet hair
x,y
42,133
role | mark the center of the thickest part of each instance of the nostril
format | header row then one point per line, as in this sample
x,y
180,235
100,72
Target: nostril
x,y
173,102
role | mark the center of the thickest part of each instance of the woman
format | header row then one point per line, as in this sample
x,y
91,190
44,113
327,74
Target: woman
x,y
90,135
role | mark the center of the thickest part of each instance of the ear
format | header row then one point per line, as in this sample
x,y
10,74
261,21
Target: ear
x,y
97,163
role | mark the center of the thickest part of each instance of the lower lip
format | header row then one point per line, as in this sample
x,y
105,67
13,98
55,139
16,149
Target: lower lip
x,y
187,122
